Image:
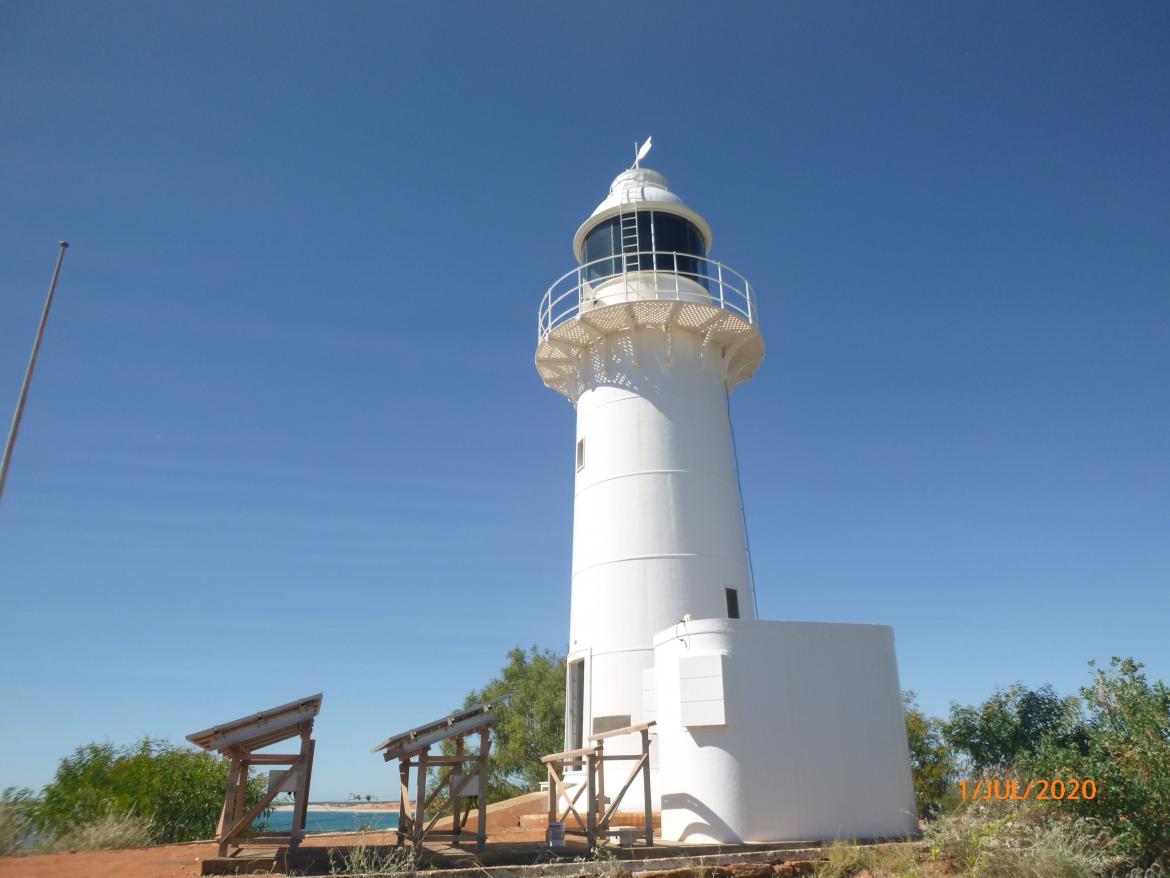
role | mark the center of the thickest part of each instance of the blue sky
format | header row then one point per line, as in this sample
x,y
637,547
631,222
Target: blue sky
x,y
286,434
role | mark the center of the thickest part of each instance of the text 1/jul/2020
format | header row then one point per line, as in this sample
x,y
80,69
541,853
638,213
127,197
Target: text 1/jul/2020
x,y
1040,790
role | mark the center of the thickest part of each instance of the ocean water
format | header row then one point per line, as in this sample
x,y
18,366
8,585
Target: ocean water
x,y
334,821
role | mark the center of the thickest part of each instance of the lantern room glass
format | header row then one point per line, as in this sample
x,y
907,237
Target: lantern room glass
x,y
658,232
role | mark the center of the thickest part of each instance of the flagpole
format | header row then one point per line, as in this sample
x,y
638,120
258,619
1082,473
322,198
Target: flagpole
x,y
32,365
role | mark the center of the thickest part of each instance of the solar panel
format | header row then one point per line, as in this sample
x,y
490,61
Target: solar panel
x,y
421,737
259,729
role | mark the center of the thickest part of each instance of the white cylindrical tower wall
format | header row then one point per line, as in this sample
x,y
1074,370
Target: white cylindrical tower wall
x,y
657,526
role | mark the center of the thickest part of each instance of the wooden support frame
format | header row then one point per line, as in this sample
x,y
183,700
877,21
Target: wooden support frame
x,y
596,822
238,740
466,779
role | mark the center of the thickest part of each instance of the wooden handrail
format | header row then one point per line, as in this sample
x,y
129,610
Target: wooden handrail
x,y
568,754
624,730
597,815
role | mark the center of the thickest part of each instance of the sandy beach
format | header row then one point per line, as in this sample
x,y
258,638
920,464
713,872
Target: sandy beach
x,y
344,806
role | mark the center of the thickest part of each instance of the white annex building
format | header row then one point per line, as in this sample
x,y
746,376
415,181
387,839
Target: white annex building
x,y
765,730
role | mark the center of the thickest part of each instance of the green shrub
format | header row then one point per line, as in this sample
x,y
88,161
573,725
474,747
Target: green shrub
x,y
179,792
931,760
1010,726
1127,754
1117,735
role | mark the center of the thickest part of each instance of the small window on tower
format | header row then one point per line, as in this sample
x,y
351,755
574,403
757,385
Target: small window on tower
x,y
580,454
732,603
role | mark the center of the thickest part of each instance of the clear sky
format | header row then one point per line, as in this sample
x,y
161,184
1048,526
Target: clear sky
x,y
286,434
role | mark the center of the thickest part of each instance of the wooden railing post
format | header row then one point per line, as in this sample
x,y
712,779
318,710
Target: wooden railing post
x,y
591,792
552,794
312,755
419,804
485,745
601,781
299,814
227,816
453,778
404,799
646,787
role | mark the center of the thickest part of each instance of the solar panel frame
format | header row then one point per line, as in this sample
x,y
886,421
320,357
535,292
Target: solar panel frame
x,y
259,729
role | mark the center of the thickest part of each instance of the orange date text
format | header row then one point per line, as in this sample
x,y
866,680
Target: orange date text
x,y
1013,790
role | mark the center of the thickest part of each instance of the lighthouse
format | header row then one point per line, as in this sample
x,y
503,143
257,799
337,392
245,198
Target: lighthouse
x,y
647,336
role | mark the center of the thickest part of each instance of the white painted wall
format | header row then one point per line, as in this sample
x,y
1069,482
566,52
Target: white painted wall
x,y
813,740
657,529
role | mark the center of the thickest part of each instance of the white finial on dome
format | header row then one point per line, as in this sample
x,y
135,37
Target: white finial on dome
x,y
643,152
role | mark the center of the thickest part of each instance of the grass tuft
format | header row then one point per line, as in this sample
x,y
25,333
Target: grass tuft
x,y
14,828
1004,841
844,860
111,831
362,858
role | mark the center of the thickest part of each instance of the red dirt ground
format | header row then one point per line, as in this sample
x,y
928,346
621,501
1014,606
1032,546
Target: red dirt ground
x,y
164,861
181,860
185,860
169,860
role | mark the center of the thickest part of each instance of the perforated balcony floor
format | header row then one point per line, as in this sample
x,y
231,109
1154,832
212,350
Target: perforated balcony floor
x,y
559,352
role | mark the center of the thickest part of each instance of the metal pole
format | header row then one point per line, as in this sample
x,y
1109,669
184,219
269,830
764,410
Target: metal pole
x,y
32,365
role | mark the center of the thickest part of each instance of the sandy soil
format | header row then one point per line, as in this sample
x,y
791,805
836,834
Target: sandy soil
x,y
169,860
184,860
164,861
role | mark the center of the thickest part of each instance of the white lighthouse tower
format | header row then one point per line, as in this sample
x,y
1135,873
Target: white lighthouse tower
x,y
647,337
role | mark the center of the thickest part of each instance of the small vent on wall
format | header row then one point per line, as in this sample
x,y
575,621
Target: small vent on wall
x,y
580,454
